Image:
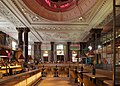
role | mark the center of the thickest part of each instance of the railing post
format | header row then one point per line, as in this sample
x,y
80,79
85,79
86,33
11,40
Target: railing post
x,y
43,75
76,78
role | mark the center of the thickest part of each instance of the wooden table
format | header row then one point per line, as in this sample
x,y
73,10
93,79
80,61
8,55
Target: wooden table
x,y
108,82
94,76
83,72
81,76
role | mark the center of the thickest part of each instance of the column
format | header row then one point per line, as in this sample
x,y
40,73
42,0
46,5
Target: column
x,y
55,53
81,48
20,41
39,46
37,51
32,50
96,33
52,51
83,45
49,57
68,52
26,30
65,53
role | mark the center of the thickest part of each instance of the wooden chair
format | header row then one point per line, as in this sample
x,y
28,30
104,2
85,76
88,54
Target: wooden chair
x,y
80,79
87,82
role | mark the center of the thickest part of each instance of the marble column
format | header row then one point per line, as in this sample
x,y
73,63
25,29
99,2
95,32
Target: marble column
x,y
68,52
26,30
20,41
39,48
37,51
52,51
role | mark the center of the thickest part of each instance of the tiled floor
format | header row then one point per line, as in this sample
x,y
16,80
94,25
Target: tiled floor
x,y
55,81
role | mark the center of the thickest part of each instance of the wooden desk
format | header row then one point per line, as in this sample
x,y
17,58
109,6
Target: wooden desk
x,y
94,76
83,72
108,82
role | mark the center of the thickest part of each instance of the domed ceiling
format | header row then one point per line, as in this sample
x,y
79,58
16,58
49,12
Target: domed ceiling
x,y
60,10
54,20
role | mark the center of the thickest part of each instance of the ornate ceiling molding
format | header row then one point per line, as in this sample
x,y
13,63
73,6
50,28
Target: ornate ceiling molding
x,y
7,13
61,28
62,36
69,27
13,19
106,20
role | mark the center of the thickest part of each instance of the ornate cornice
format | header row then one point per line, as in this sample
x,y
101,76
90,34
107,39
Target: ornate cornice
x,y
20,30
106,20
9,14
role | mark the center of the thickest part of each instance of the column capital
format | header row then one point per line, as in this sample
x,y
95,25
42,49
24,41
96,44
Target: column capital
x,y
52,51
68,42
26,30
51,42
82,45
37,43
20,29
68,51
96,30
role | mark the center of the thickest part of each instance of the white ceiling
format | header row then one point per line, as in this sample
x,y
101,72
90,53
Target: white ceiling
x,y
14,13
